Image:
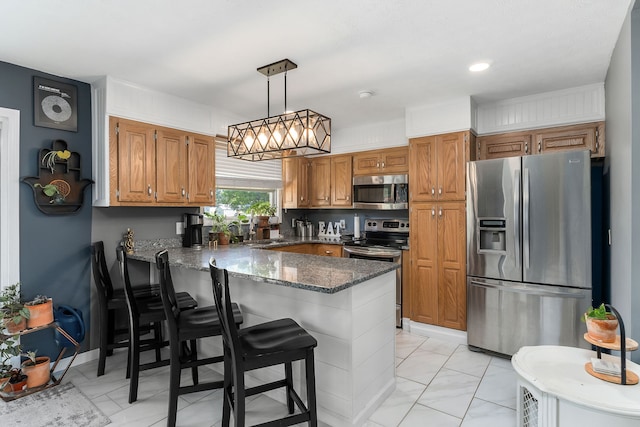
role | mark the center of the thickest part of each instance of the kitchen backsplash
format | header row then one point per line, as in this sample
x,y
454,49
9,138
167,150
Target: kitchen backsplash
x,y
333,215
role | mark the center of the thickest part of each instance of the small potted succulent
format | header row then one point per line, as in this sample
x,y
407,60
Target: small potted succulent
x,y
53,192
13,313
17,380
601,324
40,311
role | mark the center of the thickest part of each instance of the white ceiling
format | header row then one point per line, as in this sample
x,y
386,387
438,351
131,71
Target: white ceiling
x,y
409,53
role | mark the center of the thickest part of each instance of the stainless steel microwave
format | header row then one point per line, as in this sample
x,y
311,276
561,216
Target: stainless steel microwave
x,y
381,192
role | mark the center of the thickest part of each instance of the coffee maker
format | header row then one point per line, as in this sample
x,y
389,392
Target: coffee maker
x,y
192,237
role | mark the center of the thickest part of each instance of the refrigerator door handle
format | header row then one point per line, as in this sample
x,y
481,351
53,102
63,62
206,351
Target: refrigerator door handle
x,y
521,289
525,218
516,216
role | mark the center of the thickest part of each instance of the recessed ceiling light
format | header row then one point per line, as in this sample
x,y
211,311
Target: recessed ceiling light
x,y
366,94
479,66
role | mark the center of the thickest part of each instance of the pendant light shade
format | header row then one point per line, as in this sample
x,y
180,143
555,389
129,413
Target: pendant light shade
x,y
300,133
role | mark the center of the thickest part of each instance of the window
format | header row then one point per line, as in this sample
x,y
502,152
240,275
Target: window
x,y
232,202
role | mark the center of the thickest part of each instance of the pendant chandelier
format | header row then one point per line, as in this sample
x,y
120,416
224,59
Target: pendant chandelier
x,y
290,134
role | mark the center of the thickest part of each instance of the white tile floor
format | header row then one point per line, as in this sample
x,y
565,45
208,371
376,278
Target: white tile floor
x,y
438,384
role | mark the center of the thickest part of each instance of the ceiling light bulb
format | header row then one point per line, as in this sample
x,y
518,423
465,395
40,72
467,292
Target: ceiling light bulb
x,y
479,66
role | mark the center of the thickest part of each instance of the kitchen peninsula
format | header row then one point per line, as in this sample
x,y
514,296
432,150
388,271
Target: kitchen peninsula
x,y
347,304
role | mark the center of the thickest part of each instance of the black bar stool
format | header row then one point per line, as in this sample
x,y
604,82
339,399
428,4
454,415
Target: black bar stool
x,y
110,301
145,313
277,342
185,328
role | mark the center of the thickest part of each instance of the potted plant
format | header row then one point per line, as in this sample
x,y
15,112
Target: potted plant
x,y
9,348
263,211
220,227
40,311
601,324
12,311
37,369
17,380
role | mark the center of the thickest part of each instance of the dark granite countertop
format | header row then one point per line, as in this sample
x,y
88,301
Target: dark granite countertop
x,y
251,260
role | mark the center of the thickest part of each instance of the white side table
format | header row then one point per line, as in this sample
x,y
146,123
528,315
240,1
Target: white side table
x,y
554,390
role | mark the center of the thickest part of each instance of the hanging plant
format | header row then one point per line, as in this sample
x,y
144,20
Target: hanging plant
x,y
49,159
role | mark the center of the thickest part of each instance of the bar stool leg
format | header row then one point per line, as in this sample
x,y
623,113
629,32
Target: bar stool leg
x,y
311,389
239,398
227,389
104,342
288,374
174,386
134,341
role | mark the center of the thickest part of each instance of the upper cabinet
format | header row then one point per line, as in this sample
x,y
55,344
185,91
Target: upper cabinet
x,y
575,137
153,165
331,181
381,162
437,166
295,182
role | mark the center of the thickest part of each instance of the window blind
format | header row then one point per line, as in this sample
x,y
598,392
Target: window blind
x,y
235,173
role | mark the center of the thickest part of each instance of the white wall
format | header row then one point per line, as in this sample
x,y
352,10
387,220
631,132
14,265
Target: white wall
x,y
619,137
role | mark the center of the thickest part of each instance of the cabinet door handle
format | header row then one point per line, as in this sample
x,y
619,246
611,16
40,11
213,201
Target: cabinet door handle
x,y
440,212
433,191
539,146
302,198
348,197
433,212
377,164
526,148
211,193
328,252
183,192
382,165
149,189
440,191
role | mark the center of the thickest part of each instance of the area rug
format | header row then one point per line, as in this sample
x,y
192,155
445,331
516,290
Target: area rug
x,y
62,405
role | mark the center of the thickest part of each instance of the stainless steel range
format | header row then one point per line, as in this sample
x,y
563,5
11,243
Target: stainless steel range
x,y
384,240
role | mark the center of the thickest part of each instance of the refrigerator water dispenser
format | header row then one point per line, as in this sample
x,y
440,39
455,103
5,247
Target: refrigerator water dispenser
x,y
492,235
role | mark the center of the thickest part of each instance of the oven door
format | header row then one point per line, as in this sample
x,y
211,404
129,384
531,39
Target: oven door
x,y
381,254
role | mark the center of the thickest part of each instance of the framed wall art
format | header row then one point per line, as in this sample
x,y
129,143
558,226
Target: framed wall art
x,y
55,104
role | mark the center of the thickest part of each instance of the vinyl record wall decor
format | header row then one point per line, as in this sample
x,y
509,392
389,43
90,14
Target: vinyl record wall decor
x,y
55,104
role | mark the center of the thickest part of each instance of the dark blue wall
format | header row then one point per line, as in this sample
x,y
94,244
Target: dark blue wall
x,y
54,249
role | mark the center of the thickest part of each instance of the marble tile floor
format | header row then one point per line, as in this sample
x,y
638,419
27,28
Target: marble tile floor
x,y
438,384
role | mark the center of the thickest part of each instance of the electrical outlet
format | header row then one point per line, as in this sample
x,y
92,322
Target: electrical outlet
x,y
179,227
343,224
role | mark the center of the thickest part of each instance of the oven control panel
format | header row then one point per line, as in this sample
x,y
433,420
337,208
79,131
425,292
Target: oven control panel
x,y
392,225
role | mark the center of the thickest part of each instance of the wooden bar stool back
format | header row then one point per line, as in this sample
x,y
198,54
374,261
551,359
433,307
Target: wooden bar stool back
x,y
272,343
185,328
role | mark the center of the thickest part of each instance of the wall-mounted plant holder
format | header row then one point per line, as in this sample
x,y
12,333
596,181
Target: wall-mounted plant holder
x,y
58,189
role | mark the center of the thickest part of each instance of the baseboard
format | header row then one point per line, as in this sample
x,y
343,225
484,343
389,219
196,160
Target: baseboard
x,y
432,331
81,358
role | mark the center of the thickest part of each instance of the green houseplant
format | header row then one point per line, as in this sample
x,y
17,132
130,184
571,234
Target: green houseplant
x,y
263,211
36,368
220,226
9,348
51,191
601,324
12,311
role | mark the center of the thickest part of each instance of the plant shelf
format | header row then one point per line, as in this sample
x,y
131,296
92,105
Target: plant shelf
x,y
8,395
621,344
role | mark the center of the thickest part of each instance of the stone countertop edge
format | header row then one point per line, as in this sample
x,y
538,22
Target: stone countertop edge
x,y
250,261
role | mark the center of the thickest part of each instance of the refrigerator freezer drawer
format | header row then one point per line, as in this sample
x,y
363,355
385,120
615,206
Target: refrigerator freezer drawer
x,y
504,316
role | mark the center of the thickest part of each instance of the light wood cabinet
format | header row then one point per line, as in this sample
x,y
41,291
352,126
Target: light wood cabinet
x,y
438,264
295,182
437,166
575,137
154,165
381,162
321,249
331,181
503,145
320,181
341,181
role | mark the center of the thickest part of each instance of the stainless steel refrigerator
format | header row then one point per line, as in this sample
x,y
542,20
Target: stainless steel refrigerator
x,y
528,250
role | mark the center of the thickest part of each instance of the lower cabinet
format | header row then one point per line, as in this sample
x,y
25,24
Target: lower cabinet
x,y
438,264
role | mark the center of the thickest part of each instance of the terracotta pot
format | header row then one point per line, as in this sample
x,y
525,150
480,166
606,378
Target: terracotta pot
x,y
37,374
223,239
40,314
19,386
602,330
263,221
14,328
